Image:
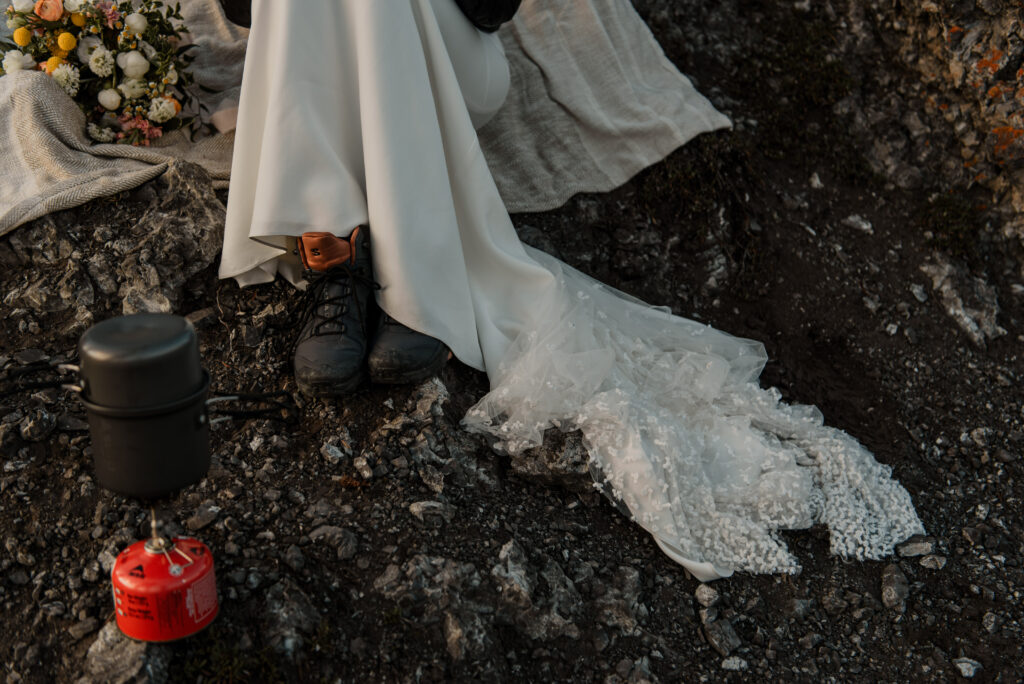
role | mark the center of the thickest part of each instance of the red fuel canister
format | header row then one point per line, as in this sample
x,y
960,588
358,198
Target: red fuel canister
x,y
164,589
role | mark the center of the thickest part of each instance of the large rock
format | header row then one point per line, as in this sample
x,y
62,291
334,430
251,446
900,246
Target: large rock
x,y
289,619
178,236
113,658
969,301
562,460
538,619
138,259
467,635
513,576
620,605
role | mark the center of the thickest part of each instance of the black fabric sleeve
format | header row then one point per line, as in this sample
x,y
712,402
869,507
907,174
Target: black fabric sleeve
x,y
488,15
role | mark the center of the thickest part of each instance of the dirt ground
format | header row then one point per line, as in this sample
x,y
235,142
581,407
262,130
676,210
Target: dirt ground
x,y
374,540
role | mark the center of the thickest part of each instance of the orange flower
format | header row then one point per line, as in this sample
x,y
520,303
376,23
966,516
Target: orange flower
x,y
52,64
177,105
49,10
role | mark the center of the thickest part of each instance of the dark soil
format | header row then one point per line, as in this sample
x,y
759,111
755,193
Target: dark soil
x,y
730,230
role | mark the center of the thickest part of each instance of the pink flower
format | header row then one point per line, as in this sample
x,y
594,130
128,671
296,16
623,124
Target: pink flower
x,y
110,13
146,131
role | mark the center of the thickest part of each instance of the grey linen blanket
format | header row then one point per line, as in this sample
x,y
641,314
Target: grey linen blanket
x,y
593,101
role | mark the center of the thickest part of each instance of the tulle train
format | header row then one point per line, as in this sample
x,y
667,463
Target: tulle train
x,y
681,434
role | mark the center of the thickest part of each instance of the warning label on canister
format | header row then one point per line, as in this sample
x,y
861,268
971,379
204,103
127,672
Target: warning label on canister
x,y
202,597
170,611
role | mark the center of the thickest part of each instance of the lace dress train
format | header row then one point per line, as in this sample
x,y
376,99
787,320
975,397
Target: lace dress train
x,y
680,433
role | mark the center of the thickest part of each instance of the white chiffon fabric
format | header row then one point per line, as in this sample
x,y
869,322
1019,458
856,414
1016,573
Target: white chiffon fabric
x,y
353,112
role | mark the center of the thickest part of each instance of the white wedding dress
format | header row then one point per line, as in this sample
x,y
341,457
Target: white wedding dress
x,y
363,111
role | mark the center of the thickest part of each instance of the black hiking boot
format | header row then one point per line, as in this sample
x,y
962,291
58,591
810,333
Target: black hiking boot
x,y
331,348
401,355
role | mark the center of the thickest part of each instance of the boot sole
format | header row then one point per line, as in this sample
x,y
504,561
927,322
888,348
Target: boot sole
x,y
330,388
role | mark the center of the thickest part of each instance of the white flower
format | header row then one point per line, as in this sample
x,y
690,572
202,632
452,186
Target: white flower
x,y
72,5
66,77
110,99
22,5
148,50
135,65
132,88
135,22
101,62
14,60
86,46
171,76
100,134
160,110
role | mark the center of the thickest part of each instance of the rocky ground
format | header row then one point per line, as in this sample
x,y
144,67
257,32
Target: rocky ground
x,y
375,540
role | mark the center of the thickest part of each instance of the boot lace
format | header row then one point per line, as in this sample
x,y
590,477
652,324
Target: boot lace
x,y
326,310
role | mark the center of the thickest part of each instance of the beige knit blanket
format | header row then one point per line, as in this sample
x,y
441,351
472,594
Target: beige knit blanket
x,y
593,101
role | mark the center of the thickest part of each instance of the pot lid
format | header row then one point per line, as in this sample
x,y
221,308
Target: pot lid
x,y
140,360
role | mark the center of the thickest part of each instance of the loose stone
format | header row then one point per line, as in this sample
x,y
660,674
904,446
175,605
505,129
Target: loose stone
x,y
706,595
968,668
722,637
895,589
734,664
203,516
916,546
81,629
933,562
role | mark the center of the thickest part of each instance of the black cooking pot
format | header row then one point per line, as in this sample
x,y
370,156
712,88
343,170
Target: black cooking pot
x,y
145,395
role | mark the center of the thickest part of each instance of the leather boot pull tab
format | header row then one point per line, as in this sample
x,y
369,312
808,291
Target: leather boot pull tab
x,y
321,251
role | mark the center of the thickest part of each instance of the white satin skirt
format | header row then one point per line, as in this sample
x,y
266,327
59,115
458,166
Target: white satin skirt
x,y
363,111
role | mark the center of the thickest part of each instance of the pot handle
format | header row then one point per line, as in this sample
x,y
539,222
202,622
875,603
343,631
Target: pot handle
x,y
18,380
73,368
271,406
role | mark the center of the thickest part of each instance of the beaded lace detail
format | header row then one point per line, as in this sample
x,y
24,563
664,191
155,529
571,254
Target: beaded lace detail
x,y
681,434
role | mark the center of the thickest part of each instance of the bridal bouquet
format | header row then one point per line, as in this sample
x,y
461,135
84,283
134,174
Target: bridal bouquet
x,y
120,61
